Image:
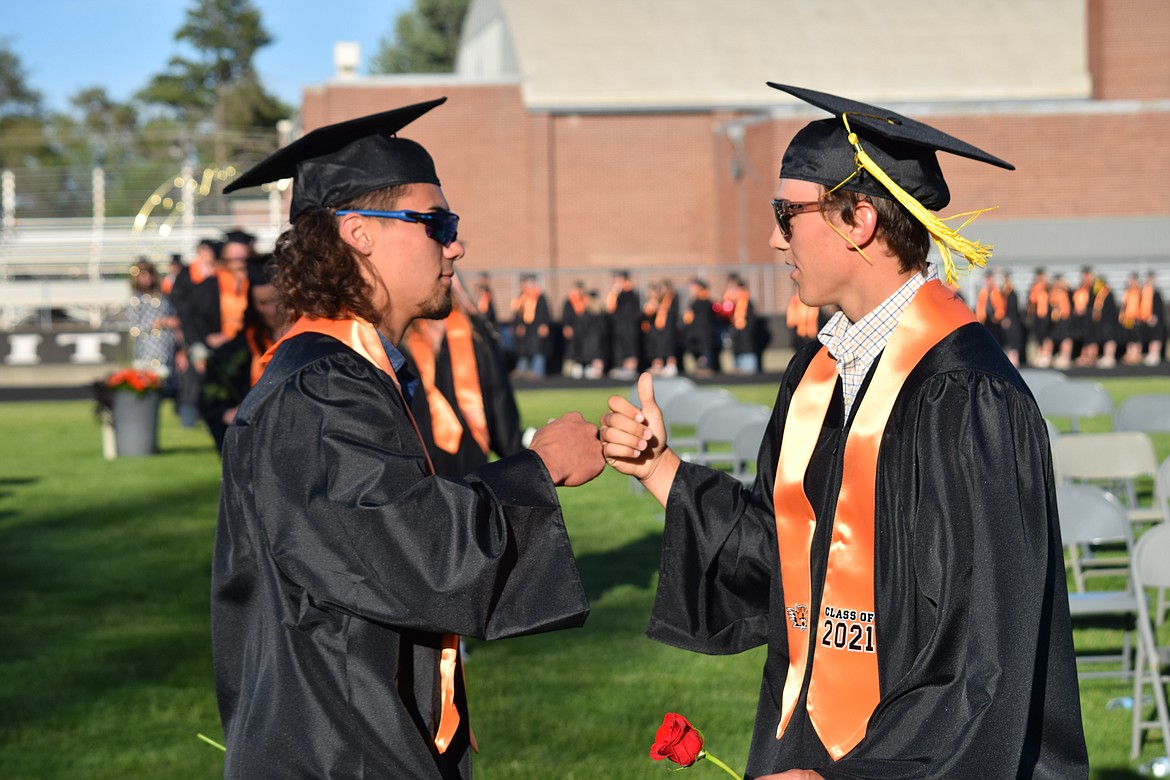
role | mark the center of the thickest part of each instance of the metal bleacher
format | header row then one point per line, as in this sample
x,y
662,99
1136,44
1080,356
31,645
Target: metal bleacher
x,y
72,266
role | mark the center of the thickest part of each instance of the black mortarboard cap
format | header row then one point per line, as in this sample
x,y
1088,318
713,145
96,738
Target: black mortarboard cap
x,y
262,271
902,147
335,164
238,237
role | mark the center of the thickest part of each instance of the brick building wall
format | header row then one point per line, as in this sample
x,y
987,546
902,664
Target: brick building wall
x,y
574,195
1129,49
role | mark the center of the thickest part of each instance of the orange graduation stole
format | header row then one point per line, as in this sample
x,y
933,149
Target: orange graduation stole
x,y
843,687
362,338
233,300
446,429
465,372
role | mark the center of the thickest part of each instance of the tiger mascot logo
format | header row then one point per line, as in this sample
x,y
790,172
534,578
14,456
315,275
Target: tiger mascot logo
x,y
798,614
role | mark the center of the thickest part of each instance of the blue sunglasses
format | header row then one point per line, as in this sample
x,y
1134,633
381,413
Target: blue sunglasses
x,y
442,226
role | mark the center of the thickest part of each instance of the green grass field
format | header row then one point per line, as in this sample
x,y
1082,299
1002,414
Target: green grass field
x,y
105,664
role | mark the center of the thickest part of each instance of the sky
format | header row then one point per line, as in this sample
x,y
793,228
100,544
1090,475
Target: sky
x,y
120,44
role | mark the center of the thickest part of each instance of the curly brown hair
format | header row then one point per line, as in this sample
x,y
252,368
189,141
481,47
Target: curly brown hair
x,y
317,273
906,237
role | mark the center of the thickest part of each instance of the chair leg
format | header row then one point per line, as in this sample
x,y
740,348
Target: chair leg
x,y
1139,677
1160,608
1154,661
1074,557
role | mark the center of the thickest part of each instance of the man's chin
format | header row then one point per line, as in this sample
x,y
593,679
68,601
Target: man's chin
x,y
439,310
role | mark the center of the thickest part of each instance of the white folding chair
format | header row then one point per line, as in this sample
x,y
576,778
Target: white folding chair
x,y
665,388
1117,461
1150,570
1074,399
1039,378
1090,516
746,449
682,411
1147,413
716,431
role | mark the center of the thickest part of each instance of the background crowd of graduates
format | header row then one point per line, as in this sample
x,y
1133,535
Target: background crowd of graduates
x,y
1085,322
623,330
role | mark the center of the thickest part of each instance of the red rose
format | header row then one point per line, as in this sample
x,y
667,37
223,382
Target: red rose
x,y
677,740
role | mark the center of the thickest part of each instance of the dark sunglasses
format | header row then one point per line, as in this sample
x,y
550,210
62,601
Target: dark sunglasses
x,y
442,226
786,210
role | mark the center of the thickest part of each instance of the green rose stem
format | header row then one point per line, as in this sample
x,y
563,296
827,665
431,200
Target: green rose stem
x,y
720,764
213,743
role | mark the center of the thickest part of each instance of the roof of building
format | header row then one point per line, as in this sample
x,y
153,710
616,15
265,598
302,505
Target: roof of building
x,y
679,54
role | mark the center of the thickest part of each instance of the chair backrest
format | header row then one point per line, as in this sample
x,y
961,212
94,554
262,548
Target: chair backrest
x,y
1074,399
1104,456
1149,413
746,446
687,407
665,388
1162,489
1150,563
721,423
1089,515
1039,378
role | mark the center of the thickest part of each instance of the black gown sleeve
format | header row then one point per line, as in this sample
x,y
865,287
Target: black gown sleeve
x,y
720,572
350,516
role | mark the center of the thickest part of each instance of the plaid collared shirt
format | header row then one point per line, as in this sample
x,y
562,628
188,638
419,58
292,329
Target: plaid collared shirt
x,y
856,345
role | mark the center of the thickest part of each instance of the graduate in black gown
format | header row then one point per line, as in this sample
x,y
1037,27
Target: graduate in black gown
x,y
344,571
899,554
465,407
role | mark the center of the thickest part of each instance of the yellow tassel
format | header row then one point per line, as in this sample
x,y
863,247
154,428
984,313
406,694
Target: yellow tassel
x,y
947,239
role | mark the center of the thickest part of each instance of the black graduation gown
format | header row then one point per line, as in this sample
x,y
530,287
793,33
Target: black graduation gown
x,y
338,565
743,341
625,326
571,319
530,343
197,306
975,656
499,404
664,340
590,336
700,334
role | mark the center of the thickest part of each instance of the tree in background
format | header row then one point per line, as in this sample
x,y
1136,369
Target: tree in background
x,y
425,39
22,135
220,84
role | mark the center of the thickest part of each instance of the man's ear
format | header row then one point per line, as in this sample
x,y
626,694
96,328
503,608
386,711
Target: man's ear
x,y
354,231
865,222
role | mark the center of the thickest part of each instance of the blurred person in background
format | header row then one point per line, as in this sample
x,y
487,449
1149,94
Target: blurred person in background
x,y
465,409
661,312
531,324
573,312
195,296
699,327
235,365
153,322
624,308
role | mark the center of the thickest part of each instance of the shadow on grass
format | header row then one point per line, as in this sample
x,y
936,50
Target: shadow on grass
x,y
634,563
6,494
1116,773
108,597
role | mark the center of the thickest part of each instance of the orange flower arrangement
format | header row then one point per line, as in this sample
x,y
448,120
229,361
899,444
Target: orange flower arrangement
x,y
139,380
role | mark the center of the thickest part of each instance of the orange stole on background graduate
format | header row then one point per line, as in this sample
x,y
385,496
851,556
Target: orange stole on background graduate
x,y
843,685
362,338
233,301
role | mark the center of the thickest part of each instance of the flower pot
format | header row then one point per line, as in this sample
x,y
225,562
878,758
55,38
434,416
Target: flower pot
x,y
135,423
